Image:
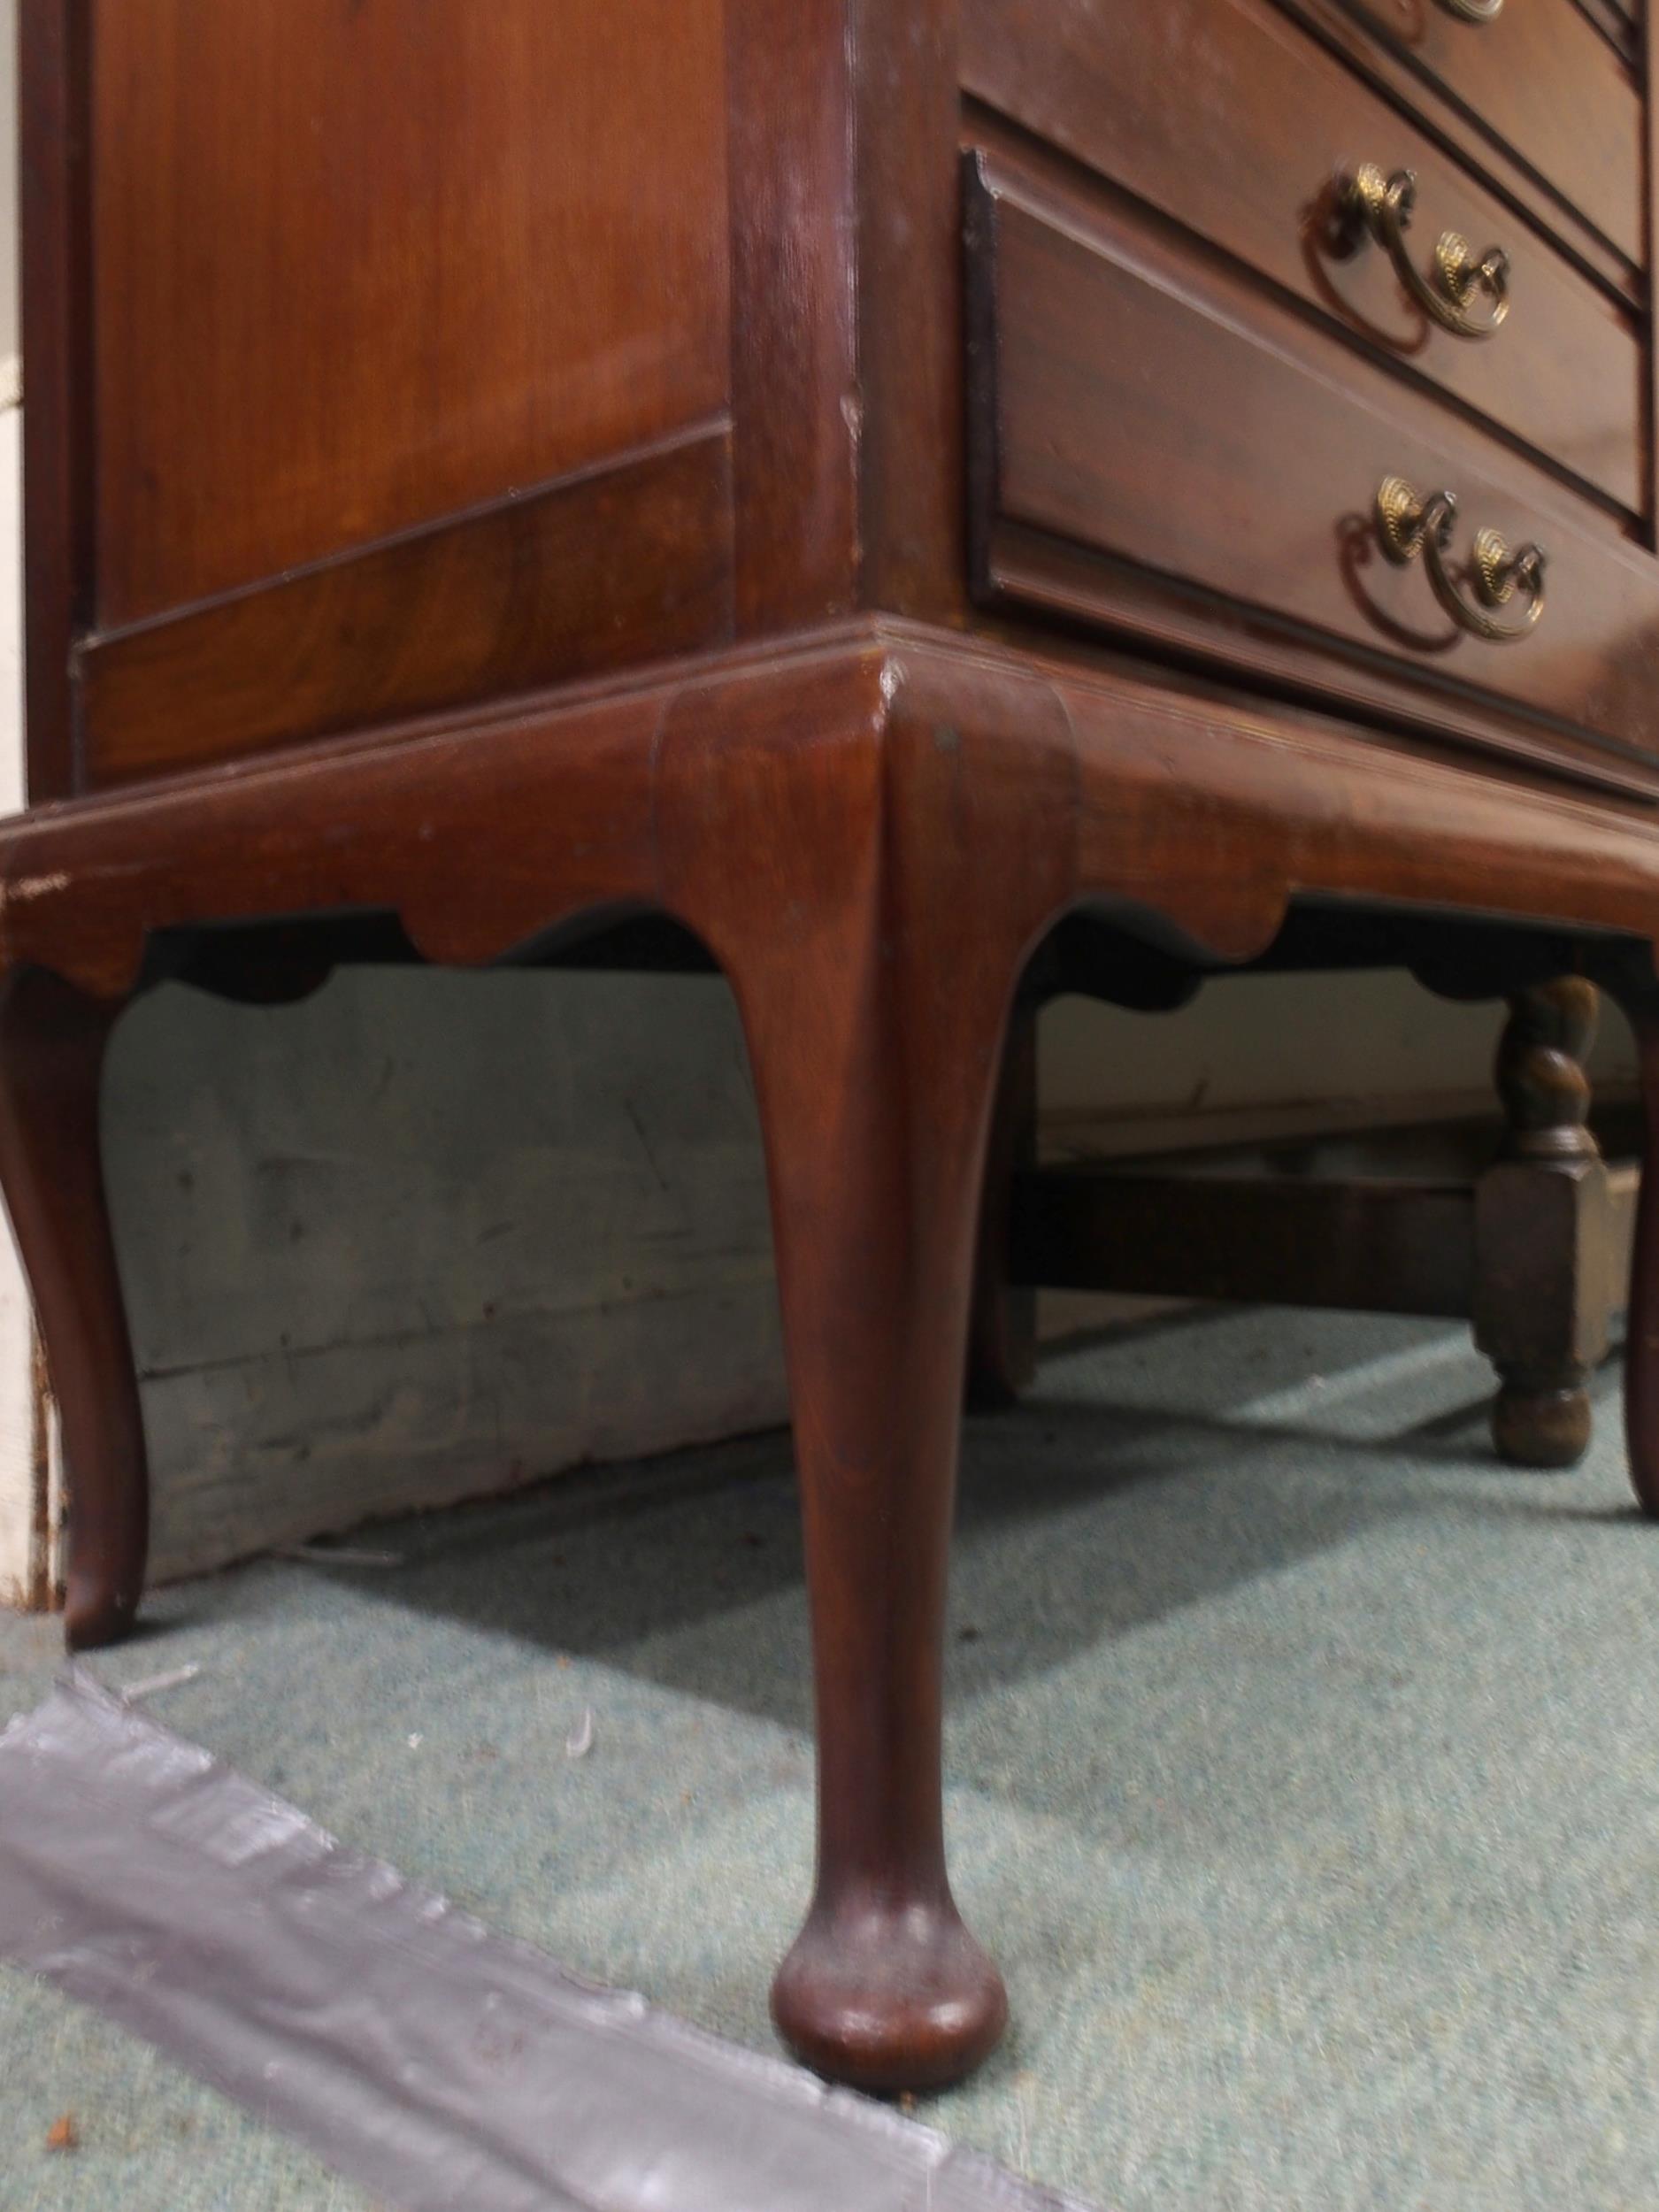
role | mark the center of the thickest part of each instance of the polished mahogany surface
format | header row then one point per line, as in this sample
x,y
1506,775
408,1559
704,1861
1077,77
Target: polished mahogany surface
x,y
1133,398
880,485
1184,107
389,334
641,548
1534,76
331,260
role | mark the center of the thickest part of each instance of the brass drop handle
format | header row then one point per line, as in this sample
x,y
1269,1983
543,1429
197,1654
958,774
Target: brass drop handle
x,y
1407,525
1379,207
1473,10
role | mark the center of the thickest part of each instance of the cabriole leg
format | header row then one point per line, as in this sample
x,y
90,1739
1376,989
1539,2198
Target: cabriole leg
x,y
875,1138
1002,1324
903,856
52,1039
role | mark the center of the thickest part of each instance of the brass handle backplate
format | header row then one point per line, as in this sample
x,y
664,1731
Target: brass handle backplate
x,y
1407,525
1380,207
1473,10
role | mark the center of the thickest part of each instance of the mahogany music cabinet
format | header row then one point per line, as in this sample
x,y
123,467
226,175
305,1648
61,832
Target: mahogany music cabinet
x,y
927,502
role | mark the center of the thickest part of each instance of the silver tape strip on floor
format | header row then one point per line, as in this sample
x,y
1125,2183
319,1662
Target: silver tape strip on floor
x,y
432,2060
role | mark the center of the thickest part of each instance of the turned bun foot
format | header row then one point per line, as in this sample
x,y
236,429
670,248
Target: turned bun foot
x,y
1542,1227
1548,1427
889,1999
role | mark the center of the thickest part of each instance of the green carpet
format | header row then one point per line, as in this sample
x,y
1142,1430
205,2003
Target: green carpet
x,y
1303,1776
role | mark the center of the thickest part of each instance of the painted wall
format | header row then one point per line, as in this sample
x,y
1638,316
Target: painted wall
x,y
429,1234
1255,1050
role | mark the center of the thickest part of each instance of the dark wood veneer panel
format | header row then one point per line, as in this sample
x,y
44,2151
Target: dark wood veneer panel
x,y
359,263
618,565
794,339
1616,23
1139,404
1283,120
57,442
1542,80
1392,75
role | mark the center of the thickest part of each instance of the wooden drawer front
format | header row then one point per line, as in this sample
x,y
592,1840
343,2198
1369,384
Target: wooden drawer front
x,y
1129,402
1617,19
1247,143
1548,84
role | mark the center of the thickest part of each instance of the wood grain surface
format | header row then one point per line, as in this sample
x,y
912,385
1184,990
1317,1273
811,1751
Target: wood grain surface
x,y
1139,401
532,479
345,280
1123,90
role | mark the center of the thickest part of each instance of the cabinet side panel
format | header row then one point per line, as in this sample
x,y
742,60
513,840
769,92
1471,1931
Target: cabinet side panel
x,y
795,367
358,264
910,299
58,445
